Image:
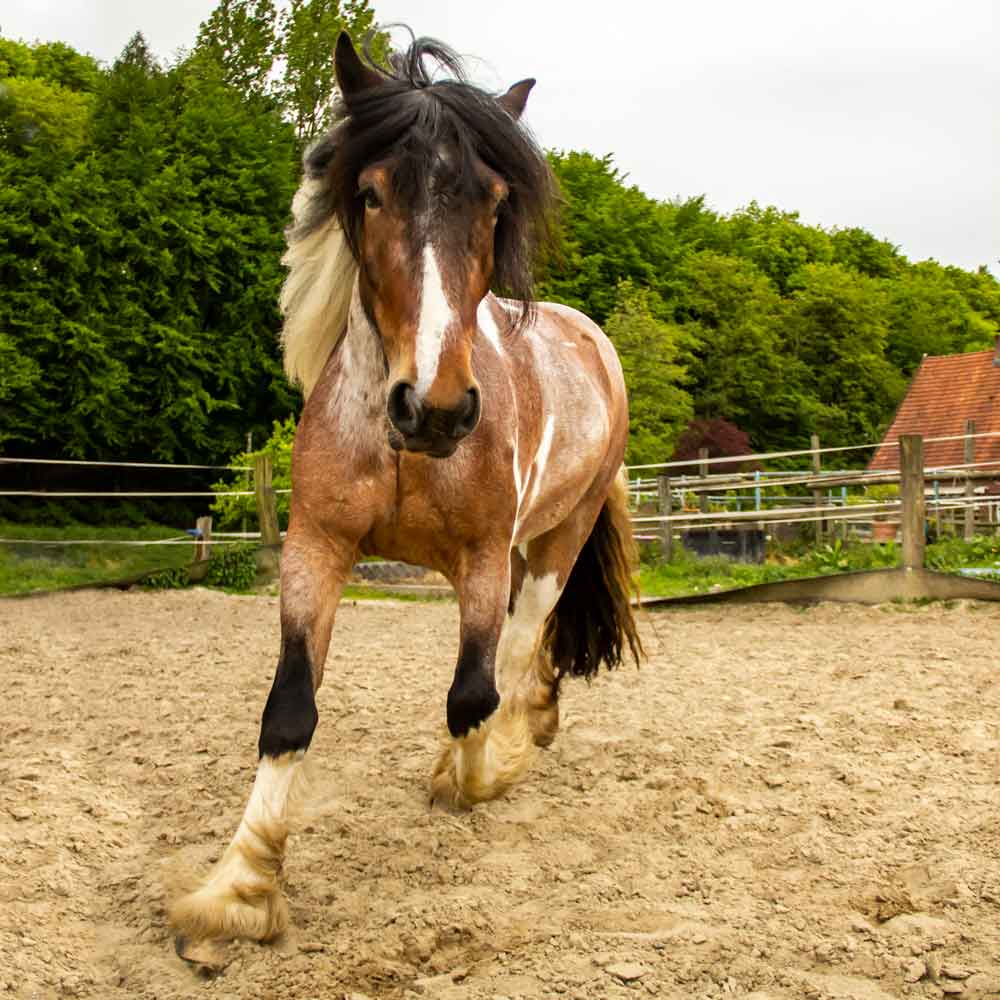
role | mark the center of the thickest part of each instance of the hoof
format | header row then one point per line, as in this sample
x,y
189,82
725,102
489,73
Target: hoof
x,y
544,725
206,957
543,715
211,915
483,765
445,792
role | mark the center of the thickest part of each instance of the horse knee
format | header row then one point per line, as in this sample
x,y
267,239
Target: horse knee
x,y
290,715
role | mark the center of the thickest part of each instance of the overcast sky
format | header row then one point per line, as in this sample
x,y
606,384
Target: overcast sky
x,y
873,113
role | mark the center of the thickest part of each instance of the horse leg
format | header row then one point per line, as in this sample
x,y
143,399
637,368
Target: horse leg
x,y
241,897
524,669
490,747
528,677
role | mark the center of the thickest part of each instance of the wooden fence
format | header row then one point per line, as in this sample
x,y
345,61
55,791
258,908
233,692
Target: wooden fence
x,y
827,514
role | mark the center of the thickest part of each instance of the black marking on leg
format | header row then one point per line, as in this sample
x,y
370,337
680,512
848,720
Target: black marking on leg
x,y
518,566
473,696
290,715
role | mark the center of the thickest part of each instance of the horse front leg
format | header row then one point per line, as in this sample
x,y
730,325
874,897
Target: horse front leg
x,y
241,897
490,746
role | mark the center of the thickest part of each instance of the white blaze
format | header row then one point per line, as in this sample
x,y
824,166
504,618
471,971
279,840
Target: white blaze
x,y
435,315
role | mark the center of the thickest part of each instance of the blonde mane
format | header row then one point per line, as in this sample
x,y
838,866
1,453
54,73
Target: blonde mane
x,y
316,296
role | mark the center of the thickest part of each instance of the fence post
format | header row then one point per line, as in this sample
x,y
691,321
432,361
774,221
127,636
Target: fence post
x,y
666,528
703,474
267,514
970,457
817,493
911,470
203,540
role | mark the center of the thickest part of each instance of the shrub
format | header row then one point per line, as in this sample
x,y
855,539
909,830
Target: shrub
x,y
233,567
232,511
169,579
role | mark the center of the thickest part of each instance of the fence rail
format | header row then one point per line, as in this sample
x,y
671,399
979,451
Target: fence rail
x,y
950,490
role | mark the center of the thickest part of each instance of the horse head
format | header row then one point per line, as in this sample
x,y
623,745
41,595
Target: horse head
x,y
441,195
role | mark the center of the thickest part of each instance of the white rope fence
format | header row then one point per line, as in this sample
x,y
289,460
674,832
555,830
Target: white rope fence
x,y
803,452
824,480
52,495
119,465
185,540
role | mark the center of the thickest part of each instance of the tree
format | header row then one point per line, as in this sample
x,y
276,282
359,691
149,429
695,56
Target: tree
x,y
858,250
836,323
722,439
737,366
37,115
609,233
141,279
52,61
777,242
308,36
240,38
286,55
648,349
928,314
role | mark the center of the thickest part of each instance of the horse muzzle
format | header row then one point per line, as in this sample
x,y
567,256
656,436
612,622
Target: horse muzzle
x,y
427,429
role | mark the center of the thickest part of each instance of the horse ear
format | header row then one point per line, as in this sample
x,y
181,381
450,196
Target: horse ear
x,y
516,98
353,76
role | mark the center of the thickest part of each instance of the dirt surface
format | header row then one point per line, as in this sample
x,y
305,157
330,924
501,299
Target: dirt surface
x,y
781,803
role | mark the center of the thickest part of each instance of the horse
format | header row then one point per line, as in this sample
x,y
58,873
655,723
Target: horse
x,y
444,426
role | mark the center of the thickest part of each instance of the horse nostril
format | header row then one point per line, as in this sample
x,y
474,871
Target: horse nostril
x,y
469,415
404,408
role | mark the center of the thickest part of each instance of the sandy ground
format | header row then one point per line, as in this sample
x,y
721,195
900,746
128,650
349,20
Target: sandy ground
x,y
781,803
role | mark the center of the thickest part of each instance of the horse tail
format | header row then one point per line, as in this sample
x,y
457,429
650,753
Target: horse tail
x,y
593,620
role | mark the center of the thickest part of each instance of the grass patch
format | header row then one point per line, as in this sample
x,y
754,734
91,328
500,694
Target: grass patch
x,y
952,554
26,567
687,574
362,592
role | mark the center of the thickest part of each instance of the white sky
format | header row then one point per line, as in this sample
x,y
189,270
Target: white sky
x,y
874,113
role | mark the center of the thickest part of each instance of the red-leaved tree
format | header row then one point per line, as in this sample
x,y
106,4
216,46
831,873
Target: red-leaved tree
x,y
720,437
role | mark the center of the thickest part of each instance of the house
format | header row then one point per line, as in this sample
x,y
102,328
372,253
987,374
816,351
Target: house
x,y
946,392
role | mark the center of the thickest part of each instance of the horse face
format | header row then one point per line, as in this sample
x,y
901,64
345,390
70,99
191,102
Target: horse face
x,y
423,229
426,255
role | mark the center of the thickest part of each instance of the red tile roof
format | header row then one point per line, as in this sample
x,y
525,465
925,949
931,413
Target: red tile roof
x,y
945,392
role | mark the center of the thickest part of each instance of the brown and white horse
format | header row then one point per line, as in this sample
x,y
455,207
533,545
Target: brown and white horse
x,y
443,426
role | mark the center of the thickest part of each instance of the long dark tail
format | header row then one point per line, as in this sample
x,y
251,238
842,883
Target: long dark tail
x,y
593,619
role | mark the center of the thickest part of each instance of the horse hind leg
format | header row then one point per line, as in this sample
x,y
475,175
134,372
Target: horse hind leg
x,y
484,761
528,681
541,698
581,621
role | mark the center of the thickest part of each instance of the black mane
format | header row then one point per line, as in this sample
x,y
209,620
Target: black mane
x,y
411,115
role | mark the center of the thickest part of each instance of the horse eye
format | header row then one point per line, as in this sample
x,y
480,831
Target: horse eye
x,y
372,200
